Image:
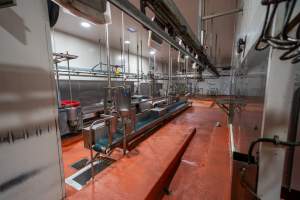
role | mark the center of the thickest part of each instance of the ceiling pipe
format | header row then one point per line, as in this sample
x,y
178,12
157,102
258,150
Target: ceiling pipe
x,y
136,14
170,16
231,12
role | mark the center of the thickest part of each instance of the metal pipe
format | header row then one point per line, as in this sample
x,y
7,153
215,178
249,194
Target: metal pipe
x,y
100,59
92,157
169,72
199,20
124,136
137,65
130,75
70,86
105,75
216,48
108,61
230,12
122,52
57,85
186,68
132,11
94,71
128,55
100,54
153,80
141,58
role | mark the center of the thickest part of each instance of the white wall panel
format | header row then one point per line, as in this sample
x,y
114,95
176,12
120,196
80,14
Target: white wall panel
x,y
89,54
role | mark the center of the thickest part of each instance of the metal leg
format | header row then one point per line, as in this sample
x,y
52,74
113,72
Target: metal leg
x,y
124,137
91,155
92,163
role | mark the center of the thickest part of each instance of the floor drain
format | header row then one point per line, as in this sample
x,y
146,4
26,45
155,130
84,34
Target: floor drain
x,y
79,164
80,178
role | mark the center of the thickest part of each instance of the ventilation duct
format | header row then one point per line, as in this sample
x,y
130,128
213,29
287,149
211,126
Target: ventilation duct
x,y
96,11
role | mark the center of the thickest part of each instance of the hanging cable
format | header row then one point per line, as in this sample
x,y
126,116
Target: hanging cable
x,y
281,41
274,141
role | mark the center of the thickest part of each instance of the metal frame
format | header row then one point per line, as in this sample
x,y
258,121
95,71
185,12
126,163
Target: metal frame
x,y
132,11
58,58
229,105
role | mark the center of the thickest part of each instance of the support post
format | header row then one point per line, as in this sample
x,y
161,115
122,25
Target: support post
x,y
108,62
137,66
122,52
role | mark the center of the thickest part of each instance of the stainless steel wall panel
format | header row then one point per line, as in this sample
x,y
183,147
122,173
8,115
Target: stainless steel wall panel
x,y
31,166
87,92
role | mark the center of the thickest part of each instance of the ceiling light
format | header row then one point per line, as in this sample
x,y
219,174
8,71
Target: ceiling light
x,y
85,24
127,42
131,29
186,56
194,66
152,52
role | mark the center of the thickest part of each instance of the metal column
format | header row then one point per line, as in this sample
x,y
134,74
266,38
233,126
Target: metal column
x,y
137,65
122,52
169,72
141,59
108,63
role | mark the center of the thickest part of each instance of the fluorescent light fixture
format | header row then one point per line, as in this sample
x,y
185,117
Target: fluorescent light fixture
x,y
85,24
131,29
152,52
126,42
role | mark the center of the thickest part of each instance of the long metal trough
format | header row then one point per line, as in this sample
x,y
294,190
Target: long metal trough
x,y
142,128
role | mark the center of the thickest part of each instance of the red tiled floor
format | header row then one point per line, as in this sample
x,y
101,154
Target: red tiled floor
x,y
204,172
73,151
135,175
205,165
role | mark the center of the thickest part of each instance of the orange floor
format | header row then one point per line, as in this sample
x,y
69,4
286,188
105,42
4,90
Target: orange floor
x,y
204,172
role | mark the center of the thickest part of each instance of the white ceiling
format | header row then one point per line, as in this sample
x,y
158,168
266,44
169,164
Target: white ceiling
x,y
219,39
71,24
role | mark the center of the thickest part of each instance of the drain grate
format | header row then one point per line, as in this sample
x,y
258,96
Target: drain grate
x,y
80,164
80,178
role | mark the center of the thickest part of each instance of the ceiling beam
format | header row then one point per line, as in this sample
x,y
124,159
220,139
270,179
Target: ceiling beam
x,y
136,14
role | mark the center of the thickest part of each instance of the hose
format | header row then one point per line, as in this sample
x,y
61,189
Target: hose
x,y
274,141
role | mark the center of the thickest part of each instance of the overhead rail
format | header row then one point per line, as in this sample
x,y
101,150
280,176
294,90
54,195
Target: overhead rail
x,y
230,12
169,17
136,14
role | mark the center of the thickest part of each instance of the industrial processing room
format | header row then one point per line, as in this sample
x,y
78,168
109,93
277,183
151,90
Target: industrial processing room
x,y
150,99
